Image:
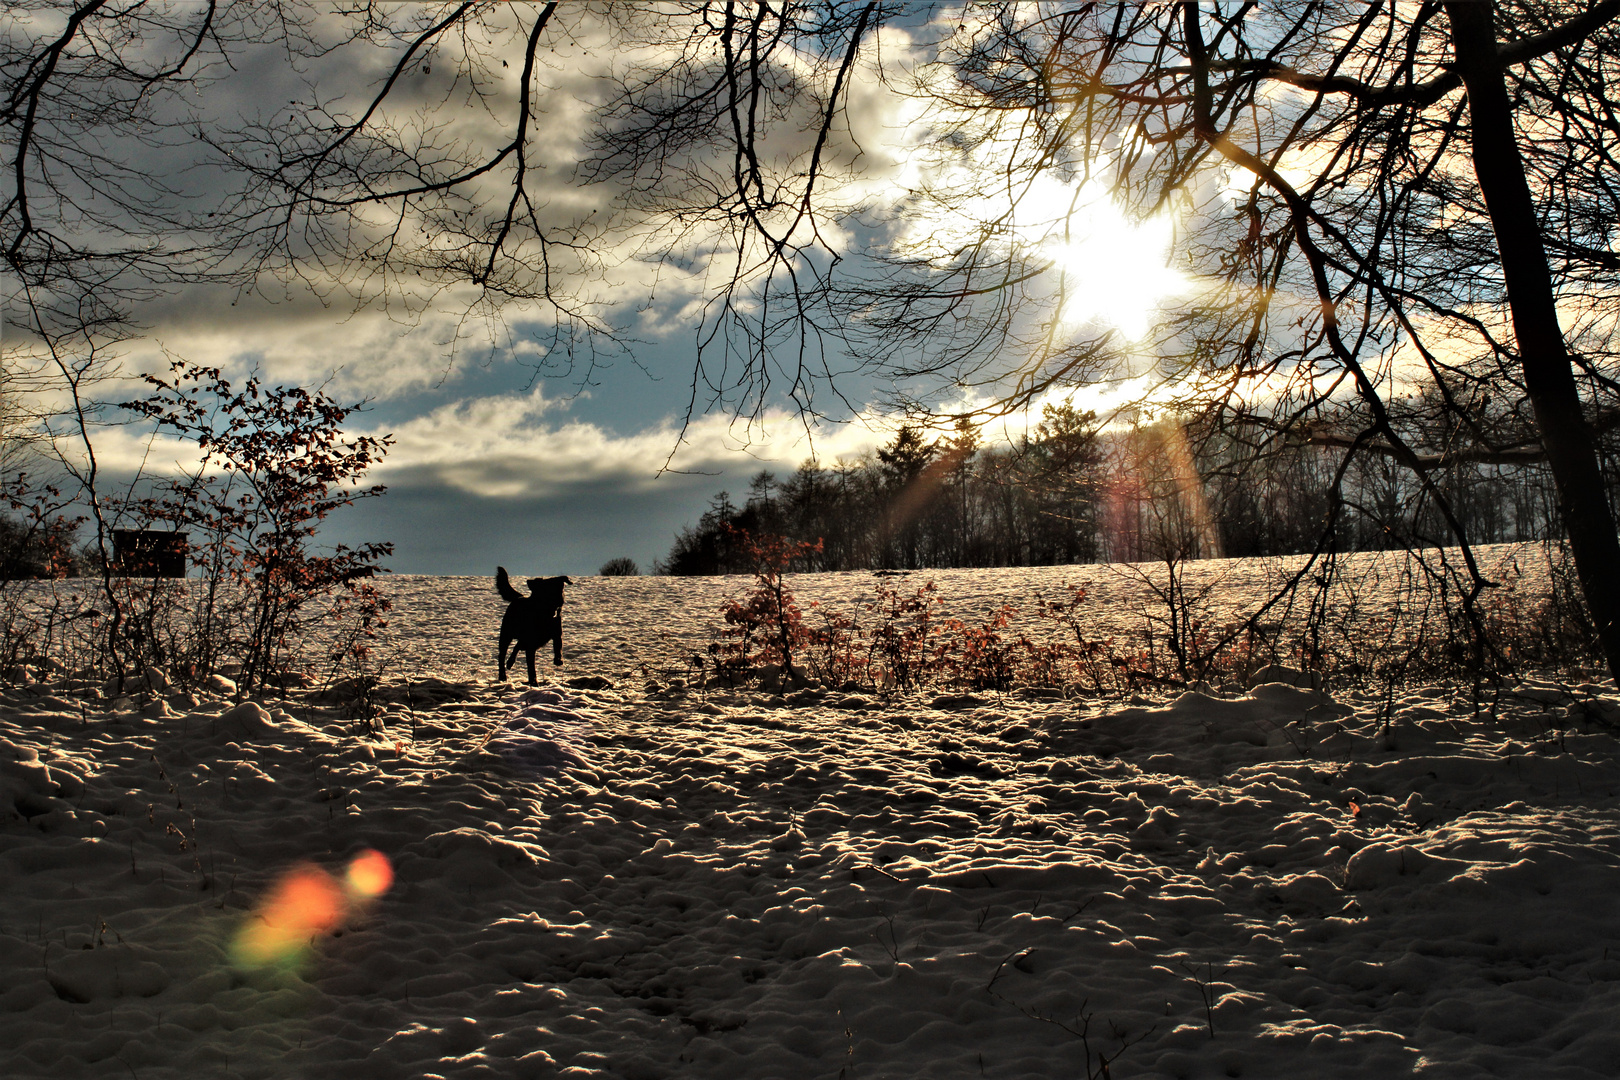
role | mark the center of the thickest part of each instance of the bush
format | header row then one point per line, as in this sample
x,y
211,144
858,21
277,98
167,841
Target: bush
x,y
623,566
987,659
275,463
900,640
36,540
765,630
833,650
906,644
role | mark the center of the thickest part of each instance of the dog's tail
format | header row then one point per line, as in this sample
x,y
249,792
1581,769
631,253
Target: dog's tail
x,y
503,585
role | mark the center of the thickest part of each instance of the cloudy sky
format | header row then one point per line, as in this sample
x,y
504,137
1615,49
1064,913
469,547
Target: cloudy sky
x,y
508,450
493,463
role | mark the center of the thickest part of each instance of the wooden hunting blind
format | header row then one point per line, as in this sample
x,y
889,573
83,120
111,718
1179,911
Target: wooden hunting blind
x,y
149,553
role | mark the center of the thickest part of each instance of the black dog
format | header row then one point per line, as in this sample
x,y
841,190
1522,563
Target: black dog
x,y
530,621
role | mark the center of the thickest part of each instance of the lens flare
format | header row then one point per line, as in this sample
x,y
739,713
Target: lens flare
x,y
369,874
305,903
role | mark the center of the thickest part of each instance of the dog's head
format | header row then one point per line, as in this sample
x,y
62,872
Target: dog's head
x,y
548,590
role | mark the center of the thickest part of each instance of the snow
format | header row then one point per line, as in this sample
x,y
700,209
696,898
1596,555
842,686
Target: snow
x,y
612,875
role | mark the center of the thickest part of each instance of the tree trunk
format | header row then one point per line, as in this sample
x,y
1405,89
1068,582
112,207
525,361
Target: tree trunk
x,y
1548,369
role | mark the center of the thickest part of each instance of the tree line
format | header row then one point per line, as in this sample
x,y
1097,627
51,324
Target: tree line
x,y
1075,490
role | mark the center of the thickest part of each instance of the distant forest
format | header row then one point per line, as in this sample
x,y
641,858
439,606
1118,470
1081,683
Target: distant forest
x,y
1073,491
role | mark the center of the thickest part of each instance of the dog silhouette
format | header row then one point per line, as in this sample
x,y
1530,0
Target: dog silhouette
x,y
530,621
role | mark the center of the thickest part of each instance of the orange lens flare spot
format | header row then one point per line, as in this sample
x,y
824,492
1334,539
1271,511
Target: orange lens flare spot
x,y
306,899
305,903
370,874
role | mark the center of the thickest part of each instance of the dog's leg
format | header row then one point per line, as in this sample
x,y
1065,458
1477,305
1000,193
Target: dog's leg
x,y
556,647
500,658
533,681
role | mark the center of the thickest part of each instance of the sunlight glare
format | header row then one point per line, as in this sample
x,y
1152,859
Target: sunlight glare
x,y
1106,269
1113,270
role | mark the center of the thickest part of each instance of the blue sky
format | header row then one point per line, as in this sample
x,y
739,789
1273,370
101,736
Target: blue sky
x,y
495,464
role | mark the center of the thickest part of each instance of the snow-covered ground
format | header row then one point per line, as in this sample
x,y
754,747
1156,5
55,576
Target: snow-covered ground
x,y
616,877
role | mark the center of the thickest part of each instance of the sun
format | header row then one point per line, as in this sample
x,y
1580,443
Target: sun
x,y
1110,270
1105,270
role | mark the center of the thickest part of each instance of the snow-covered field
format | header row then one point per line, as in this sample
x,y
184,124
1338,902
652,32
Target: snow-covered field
x,y
613,876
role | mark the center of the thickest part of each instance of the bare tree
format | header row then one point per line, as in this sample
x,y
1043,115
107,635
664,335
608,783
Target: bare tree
x,y
88,232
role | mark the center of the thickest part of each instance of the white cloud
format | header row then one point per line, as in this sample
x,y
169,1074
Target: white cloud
x,y
364,356
525,446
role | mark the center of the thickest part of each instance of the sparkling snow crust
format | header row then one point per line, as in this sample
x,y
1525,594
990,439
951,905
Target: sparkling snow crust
x,y
638,881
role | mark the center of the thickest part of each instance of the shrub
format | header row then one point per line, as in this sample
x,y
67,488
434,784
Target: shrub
x,y
1084,660
39,542
985,657
906,647
833,650
765,629
40,631
900,641
275,463
623,566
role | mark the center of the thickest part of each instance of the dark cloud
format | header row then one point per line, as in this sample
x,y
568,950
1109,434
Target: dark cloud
x,y
438,528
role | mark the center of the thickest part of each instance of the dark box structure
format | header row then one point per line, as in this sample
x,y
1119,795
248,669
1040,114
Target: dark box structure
x,y
149,553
